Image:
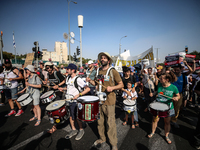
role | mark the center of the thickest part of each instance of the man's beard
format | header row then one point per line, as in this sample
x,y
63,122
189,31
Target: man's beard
x,y
8,67
104,63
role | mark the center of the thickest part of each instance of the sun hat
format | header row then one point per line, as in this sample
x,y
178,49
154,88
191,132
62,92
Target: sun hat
x,y
30,68
107,54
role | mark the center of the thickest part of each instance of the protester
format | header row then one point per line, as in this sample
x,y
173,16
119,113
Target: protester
x,y
2,100
107,110
12,75
63,70
91,72
167,97
33,87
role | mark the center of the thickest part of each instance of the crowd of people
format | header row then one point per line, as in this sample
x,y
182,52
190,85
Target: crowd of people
x,y
176,88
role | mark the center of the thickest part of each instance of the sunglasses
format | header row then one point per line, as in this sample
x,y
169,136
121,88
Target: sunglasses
x,y
49,67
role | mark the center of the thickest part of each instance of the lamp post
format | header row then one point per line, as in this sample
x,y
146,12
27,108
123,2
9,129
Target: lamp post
x,y
80,25
69,28
120,44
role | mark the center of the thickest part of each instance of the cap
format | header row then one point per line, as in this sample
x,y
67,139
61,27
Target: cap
x,y
90,62
7,61
159,67
72,66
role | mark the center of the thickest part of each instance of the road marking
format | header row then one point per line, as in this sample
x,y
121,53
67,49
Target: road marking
x,y
27,141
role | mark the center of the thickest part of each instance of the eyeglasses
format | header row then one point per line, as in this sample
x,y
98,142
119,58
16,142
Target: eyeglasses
x,y
49,67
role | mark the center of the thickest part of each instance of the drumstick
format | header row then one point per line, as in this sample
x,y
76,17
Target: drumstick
x,y
165,95
100,84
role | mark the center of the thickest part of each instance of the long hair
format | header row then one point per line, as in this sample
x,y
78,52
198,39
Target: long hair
x,y
170,76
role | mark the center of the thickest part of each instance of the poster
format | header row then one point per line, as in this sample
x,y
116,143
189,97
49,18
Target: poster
x,y
29,59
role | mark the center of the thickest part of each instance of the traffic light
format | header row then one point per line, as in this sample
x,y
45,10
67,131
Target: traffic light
x,y
34,49
77,51
186,50
74,57
39,54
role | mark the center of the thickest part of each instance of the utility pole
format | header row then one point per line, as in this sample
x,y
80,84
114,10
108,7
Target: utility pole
x,y
157,56
1,47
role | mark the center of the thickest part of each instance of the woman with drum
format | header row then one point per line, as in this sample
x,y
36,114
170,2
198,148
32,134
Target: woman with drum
x,y
167,93
33,87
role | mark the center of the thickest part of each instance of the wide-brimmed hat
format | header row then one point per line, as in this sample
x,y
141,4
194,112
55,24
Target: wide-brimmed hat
x,y
107,54
30,68
48,64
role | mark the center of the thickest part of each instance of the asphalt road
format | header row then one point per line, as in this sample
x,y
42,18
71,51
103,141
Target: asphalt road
x,y
19,133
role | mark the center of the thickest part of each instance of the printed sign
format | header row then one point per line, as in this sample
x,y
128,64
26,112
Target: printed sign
x,y
87,111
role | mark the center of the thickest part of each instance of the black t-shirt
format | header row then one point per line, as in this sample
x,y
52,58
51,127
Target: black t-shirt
x,y
131,78
57,78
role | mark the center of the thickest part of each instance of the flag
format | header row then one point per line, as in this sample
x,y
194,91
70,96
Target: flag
x,y
14,41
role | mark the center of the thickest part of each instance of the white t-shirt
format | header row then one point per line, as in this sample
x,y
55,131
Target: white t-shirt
x,y
1,76
71,89
133,94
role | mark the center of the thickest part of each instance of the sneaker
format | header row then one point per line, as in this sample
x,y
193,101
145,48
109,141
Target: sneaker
x,y
20,111
71,134
80,134
12,112
192,105
98,143
175,125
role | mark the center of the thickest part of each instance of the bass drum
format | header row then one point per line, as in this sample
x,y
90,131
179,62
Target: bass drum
x,y
88,108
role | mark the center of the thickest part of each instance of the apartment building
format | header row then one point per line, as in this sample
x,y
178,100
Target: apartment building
x,y
59,54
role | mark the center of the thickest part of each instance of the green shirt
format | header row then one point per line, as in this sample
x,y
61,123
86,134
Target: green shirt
x,y
168,91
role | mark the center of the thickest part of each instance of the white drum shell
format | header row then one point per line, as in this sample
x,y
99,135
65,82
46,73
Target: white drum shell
x,y
48,97
25,99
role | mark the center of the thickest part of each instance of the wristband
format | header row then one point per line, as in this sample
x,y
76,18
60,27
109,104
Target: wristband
x,y
80,94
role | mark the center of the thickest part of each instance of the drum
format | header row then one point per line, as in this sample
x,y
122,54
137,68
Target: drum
x,y
129,105
25,99
57,111
159,109
88,108
102,96
48,97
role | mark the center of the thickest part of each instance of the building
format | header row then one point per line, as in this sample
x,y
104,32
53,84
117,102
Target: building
x,y
60,53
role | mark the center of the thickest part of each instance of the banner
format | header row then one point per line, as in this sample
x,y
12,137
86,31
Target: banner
x,y
127,60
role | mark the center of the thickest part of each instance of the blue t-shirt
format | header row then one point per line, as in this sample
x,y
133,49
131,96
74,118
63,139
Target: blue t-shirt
x,y
179,83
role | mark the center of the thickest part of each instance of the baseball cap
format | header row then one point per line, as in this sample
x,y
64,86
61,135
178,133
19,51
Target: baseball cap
x,y
90,62
72,66
7,61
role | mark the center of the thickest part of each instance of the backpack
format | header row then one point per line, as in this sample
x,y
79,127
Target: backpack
x,y
75,83
41,74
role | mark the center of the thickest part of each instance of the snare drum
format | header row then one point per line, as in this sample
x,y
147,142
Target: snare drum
x,y
129,105
159,109
57,111
48,97
25,99
88,108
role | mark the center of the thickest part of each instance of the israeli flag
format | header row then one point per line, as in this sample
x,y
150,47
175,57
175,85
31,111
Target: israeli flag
x,y
14,41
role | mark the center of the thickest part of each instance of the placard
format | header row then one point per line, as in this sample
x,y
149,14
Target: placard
x,y
29,59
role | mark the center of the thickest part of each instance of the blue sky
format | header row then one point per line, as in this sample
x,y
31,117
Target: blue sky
x,y
166,24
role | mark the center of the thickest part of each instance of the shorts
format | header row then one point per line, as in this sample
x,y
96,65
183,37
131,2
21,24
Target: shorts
x,y
11,93
171,113
73,110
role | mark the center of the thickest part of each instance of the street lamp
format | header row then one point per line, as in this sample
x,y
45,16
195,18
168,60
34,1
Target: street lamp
x,y
69,28
120,44
80,25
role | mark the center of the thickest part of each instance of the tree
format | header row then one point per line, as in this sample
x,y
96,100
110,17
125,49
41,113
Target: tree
x,y
197,54
7,55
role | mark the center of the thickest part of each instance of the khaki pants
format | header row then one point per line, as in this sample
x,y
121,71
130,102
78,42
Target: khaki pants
x,y
177,106
107,113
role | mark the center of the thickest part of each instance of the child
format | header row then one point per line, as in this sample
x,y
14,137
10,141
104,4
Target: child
x,y
131,96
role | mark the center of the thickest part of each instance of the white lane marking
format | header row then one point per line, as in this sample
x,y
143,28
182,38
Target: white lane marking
x,y
26,141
